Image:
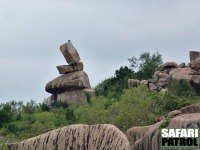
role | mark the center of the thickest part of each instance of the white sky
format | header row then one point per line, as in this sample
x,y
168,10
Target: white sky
x,y
106,33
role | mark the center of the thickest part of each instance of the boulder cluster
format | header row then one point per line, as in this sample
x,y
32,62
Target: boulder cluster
x,y
73,85
148,137
172,71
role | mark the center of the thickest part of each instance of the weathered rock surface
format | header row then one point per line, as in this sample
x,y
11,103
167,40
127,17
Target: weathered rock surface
x,y
160,75
90,92
174,113
64,69
169,65
133,83
182,65
78,66
77,137
152,87
70,53
194,55
73,97
191,109
144,82
135,133
148,137
187,74
150,140
79,96
180,73
70,81
195,64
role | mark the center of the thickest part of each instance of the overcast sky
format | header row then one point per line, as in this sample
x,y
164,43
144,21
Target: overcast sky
x,y
105,33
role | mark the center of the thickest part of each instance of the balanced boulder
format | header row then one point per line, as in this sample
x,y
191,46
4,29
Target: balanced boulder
x,y
73,86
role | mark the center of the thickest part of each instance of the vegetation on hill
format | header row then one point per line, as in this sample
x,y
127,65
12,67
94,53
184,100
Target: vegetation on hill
x,y
114,104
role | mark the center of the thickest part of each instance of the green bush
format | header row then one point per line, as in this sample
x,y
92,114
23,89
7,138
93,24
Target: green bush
x,y
133,109
181,88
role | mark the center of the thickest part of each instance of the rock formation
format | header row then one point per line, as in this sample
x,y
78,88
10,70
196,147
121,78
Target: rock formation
x,y
172,71
77,137
73,85
148,137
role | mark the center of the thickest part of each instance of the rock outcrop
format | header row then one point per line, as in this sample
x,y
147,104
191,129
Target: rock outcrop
x,y
148,137
133,83
77,137
73,85
172,71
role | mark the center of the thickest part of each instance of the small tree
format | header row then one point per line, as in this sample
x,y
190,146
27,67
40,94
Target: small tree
x,y
146,64
6,114
115,85
181,88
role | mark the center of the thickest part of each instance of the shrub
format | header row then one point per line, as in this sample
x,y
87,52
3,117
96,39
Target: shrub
x,y
181,88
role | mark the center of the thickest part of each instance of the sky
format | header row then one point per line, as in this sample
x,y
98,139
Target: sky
x,y
106,33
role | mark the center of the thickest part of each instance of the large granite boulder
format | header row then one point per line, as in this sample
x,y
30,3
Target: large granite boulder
x,y
188,74
70,53
160,75
71,81
153,87
194,55
182,73
135,133
133,83
169,65
71,88
78,96
195,64
77,137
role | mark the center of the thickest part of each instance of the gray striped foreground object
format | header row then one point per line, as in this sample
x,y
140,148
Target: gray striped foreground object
x,y
77,137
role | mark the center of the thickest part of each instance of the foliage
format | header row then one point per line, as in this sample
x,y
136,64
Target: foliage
x,y
145,65
30,107
6,114
165,123
133,109
114,86
181,88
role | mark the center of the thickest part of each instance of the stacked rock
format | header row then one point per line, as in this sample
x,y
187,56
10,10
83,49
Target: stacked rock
x,y
172,71
73,85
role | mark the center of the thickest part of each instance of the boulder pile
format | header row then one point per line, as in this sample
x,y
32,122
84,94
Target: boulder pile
x,y
148,137
73,85
172,71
